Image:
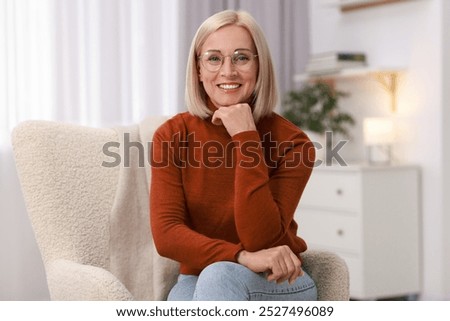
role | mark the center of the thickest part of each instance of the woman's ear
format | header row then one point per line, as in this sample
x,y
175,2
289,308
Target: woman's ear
x,y
199,70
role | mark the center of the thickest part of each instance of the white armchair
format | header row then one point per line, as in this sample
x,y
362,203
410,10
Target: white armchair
x,y
90,214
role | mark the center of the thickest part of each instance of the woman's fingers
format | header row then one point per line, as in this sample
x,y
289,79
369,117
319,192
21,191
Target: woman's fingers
x,y
236,118
298,272
280,263
285,265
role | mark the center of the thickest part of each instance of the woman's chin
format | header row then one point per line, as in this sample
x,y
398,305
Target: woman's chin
x,y
230,102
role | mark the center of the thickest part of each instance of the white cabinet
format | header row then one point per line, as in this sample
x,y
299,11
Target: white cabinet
x,y
370,216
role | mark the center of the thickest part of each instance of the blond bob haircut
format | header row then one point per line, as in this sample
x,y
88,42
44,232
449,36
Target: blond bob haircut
x,y
266,92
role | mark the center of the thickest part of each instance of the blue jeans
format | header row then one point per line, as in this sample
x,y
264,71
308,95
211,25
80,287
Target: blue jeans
x,y
228,281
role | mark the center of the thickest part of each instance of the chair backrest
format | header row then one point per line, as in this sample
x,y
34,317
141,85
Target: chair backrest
x,y
86,209
68,194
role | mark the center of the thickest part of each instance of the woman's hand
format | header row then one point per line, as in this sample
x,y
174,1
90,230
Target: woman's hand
x,y
236,118
279,262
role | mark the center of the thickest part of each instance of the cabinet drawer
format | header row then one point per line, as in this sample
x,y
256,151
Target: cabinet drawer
x,y
329,230
337,191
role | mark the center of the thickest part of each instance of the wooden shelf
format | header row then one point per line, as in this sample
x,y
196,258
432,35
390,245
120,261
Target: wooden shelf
x,y
347,73
354,4
386,77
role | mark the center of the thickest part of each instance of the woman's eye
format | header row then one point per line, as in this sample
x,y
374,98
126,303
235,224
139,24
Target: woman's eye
x,y
214,59
241,57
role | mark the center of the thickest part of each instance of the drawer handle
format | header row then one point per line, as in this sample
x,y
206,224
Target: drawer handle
x,y
340,232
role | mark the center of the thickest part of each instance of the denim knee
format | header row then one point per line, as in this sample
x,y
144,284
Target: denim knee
x,y
220,282
228,281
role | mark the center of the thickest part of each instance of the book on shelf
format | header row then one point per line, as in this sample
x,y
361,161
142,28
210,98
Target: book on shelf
x,y
340,56
330,62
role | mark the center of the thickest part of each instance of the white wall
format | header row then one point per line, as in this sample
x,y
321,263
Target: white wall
x,y
409,34
446,141
22,274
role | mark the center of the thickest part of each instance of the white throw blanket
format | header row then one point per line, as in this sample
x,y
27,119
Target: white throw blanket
x,y
133,257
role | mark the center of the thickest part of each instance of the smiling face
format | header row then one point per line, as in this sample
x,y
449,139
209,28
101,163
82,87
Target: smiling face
x,y
230,84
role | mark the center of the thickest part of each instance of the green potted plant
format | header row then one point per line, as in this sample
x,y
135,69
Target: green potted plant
x,y
314,108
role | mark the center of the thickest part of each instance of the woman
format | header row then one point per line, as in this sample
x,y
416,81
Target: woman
x,y
227,176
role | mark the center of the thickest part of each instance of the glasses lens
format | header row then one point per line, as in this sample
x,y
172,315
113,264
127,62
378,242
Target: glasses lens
x,y
213,60
241,57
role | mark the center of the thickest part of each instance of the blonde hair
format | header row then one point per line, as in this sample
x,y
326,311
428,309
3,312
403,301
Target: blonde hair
x,y
266,91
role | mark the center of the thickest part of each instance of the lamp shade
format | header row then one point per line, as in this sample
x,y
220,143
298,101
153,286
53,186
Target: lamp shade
x,y
378,131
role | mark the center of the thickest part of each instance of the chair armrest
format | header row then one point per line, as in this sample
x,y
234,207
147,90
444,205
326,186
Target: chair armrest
x,y
329,272
68,280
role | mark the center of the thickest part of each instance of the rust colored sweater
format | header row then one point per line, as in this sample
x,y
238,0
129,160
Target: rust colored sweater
x,y
213,195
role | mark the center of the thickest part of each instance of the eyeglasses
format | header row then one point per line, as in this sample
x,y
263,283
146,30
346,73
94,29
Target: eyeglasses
x,y
213,60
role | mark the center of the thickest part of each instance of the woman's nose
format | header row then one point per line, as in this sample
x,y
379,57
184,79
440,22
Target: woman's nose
x,y
227,68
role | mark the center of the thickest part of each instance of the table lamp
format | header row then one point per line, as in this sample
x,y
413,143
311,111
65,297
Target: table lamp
x,y
378,139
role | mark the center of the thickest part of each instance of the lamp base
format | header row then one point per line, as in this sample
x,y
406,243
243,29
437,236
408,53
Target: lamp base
x,y
379,154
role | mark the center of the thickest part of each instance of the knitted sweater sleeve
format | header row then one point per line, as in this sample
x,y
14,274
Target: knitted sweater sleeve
x,y
171,232
266,198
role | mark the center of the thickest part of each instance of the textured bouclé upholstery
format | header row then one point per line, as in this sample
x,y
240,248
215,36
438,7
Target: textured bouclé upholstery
x,y
91,221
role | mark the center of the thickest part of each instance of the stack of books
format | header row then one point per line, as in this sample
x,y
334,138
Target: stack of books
x,y
333,62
